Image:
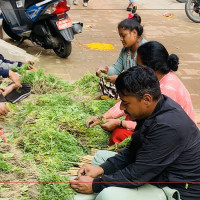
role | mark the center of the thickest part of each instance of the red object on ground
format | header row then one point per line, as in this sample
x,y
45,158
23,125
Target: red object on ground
x,y
1,135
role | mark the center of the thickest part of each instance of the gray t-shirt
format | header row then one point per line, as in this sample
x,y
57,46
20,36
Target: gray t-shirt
x,y
124,61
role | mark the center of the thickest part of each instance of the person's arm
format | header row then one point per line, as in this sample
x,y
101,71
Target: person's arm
x,y
114,112
7,64
128,124
160,148
4,72
117,67
111,124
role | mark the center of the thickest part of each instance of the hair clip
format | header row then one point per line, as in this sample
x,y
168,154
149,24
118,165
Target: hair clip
x,y
130,15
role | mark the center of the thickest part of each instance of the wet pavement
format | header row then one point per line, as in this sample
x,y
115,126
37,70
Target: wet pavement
x,y
180,36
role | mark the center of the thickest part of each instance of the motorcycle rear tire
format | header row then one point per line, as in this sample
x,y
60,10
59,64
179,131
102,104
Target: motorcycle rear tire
x,y
188,12
64,49
9,32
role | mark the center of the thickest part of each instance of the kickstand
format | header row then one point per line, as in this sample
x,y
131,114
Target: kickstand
x,y
20,42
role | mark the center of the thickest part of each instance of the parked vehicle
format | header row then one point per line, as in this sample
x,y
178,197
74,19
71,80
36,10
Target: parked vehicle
x,y
192,9
44,22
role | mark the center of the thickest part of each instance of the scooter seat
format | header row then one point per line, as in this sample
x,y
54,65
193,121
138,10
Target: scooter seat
x,y
31,2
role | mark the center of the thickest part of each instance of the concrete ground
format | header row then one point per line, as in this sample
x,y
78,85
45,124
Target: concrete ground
x,y
180,36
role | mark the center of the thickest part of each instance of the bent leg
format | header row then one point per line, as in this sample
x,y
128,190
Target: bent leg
x,y
101,156
9,89
144,192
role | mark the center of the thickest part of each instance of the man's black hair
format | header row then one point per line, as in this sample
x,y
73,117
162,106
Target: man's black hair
x,y
137,81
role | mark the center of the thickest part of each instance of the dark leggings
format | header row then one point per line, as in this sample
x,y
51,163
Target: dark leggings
x,y
85,1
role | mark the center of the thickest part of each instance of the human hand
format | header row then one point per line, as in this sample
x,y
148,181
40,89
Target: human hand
x,y
15,78
102,70
90,170
82,184
110,124
112,78
3,109
30,66
92,121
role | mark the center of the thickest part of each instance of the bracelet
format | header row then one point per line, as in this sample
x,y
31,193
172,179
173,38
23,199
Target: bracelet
x,y
121,125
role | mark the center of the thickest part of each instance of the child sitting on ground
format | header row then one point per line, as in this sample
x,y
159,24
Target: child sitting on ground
x,y
15,91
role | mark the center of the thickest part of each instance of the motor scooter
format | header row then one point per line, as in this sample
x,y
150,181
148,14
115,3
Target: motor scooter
x,y
44,22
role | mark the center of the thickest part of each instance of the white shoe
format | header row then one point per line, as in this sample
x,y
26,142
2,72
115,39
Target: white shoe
x,y
85,4
75,2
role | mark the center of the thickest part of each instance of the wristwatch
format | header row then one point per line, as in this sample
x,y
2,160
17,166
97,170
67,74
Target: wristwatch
x,y
121,125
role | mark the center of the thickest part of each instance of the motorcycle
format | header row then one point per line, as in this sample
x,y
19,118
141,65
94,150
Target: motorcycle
x,y
192,9
44,22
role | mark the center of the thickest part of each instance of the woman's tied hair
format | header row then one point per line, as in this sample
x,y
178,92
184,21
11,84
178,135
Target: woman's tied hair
x,y
133,23
154,55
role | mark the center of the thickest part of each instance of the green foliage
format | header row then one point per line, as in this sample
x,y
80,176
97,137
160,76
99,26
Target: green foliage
x,y
97,107
40,83
122,145
4,166
104,75
88,84
55,191
50,128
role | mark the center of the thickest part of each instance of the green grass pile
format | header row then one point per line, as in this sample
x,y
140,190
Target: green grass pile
x,y
50,128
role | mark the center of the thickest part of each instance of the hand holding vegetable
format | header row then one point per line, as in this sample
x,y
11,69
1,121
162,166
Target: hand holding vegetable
x,y
90,170
102,70
30,65
82,184
110,124
92,121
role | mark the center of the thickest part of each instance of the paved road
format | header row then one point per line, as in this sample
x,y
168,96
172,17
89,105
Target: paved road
x,y
178,34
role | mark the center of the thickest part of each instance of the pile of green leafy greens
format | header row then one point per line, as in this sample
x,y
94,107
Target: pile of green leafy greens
x,y
50,129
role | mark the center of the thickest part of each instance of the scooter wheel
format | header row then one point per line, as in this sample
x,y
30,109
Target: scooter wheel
x,y
9,32
64,48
